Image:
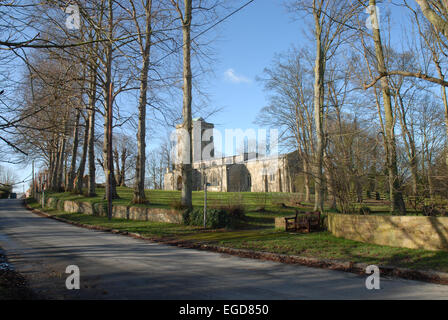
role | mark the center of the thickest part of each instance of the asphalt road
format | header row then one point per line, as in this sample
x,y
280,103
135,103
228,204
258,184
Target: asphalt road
x,y
118,267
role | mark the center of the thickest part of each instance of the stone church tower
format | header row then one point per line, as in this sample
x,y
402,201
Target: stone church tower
x,y
202,131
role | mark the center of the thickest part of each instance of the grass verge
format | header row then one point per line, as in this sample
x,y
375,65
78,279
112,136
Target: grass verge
x,y
322,245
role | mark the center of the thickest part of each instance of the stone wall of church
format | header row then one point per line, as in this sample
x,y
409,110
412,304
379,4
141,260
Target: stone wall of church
x,y
267,175
270,175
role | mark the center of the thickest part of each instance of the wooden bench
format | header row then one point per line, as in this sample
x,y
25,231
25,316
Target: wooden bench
x,y
291,222
311,221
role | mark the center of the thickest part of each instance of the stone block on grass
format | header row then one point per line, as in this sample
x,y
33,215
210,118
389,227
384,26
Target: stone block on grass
x,y
71,206
164,215
86,208
280,223
120,212
138,213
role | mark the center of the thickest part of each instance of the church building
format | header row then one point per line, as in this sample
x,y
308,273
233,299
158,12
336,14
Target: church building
x,y
246,172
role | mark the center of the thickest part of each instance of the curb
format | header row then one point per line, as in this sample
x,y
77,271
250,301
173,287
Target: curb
x,y
346,266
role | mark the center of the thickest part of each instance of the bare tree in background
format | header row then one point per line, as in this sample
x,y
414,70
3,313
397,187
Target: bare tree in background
x,y
291,108
437,48
156,165
331,18
7,176
125,150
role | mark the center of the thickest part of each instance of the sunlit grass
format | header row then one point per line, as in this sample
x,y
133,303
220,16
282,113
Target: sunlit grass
x,y
318,244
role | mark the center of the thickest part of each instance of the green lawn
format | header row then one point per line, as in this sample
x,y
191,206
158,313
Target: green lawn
x,y
266,238
251,200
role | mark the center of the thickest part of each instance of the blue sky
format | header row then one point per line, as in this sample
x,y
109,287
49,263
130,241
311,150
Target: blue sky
x,y
247,44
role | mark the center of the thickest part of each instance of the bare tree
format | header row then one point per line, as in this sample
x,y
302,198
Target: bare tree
x,y
144,42
436,47
394,181
330,23
125,158
185,18
74,153
291,108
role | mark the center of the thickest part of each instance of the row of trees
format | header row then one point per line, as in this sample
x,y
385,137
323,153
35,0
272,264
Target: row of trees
x,y
365,114
359,111
84,64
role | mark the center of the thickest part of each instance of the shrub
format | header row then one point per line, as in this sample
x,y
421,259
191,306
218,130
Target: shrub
x,y
215,218
234,208
235,211
5,191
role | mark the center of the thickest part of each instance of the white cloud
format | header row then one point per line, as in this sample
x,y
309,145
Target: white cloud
x,y
231,76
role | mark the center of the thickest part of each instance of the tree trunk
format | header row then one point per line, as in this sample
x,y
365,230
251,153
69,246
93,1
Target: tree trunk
x,y
108,94
186,168
82,163
306,182
430,181
108,165
139,188
330,184
410,145
93,78
91,154
123,168
51,169
71,174
55,169
445,104
319,73
438,22
116,157
58,184
397,203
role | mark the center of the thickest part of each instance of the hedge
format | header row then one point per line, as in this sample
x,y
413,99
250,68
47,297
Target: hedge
x,y
4,194
216,218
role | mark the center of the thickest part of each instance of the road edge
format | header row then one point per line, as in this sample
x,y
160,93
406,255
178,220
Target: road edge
x,y
436,277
